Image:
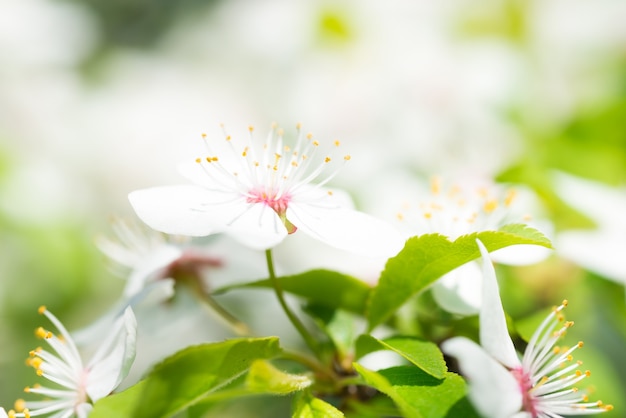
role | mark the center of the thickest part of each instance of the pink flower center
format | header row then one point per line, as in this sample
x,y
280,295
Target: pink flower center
x,y
270,198
278,204
529,401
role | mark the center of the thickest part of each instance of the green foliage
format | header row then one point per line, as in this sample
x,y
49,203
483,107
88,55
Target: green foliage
x,y
426,258
187,377
307,406
265,378
417,394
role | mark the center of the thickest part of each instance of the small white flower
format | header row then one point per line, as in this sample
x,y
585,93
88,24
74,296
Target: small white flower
x,y
459,210
79,385
259,192
540,385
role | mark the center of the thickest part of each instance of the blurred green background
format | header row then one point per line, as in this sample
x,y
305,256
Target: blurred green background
x,y
100,98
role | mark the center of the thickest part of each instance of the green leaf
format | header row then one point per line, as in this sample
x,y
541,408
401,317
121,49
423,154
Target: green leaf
x,y
186,377
323,287
426,258
308,406
417,394
424,354
265,378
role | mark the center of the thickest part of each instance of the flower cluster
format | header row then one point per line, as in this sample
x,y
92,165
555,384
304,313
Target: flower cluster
x,y
246,197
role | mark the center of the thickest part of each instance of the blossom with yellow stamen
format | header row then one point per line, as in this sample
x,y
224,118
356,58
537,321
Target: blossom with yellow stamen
x,y
462,209
78,385
543,384
258,192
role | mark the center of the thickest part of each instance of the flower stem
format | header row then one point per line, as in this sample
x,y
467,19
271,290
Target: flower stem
x,y
306,336
237,326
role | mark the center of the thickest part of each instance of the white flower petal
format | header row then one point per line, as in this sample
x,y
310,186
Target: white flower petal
x,y
521,255
346,229
112,362
600,251
148,265
178,210
459,291
83,410
254,225
3,413
494,336
493,389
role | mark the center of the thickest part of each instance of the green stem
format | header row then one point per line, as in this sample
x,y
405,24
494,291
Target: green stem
x,y
238,327
308,338
307,361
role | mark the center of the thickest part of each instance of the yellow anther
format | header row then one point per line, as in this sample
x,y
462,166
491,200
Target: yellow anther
x,y
559,317
490,205
198,160
214,159
26,413
203,135
42,333
277,156
580,344
585,398
256,164
569,324
316,143
245,151
298,125
608,407
281,132
327,159
510,197
274,125
330,193
27,389
19,405
294,163
579,373
337,143
347,157
564,303
579,362
435,185
35,362
275,168
287,148
587,373
39,372
570,357
400,216
309,136
11,414
428,215
556,350
228,137
208,159
574,389
250,128
41,309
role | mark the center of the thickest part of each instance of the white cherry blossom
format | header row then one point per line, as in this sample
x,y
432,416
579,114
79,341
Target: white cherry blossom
x,y
258,192
77,385
543,384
